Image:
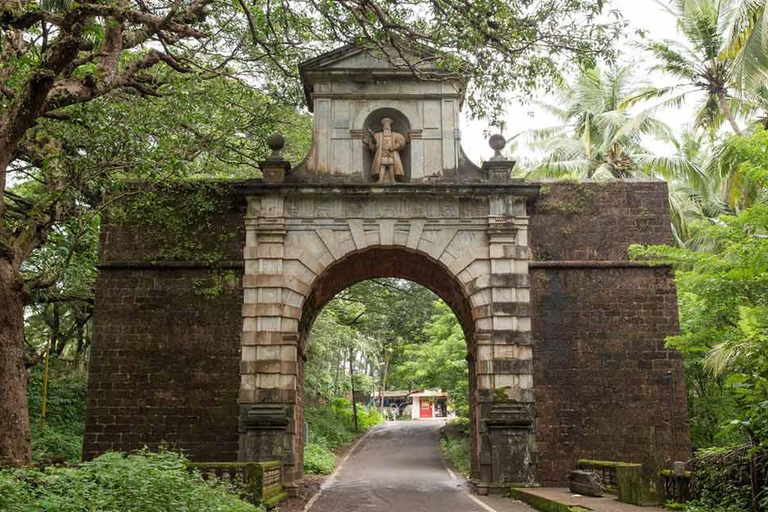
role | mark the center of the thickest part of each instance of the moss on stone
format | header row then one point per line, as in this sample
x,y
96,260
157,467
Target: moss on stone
x,y
275,500
541,503
605,463
633,488
577,202
254,479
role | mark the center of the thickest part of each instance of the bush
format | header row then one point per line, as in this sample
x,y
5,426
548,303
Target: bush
x,y
723,479
330,428
318,459
462,425
141,482
62,437
457,451
327,427
368,417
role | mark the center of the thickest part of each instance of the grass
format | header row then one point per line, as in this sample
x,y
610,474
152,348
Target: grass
x,y
331,427
456,445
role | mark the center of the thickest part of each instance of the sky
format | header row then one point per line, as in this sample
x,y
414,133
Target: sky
x,y
642,15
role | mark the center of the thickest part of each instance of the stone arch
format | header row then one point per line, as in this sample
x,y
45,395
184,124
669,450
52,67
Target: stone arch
x,y
402,124
304,247
389,261
407,109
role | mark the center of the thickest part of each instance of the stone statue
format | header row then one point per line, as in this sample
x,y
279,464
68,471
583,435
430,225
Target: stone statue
x,y
387,167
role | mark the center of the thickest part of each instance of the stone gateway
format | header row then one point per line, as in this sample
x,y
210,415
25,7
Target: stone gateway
x,y
565,336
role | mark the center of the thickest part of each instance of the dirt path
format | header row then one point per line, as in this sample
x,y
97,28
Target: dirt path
x,y
398,467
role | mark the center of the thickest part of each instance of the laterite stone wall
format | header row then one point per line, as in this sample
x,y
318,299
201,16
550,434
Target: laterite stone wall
x,y
599,322
166,356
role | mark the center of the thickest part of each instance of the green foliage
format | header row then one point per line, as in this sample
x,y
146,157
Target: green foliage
x,y
62,436
440,361
328,427
598,137
723,294
331,427
375,319
140,482
318,459
723,479
457,451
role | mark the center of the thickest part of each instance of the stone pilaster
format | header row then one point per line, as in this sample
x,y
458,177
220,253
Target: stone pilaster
x,y
269,398
504,363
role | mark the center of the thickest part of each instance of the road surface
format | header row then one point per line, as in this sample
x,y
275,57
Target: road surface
x,y
398,468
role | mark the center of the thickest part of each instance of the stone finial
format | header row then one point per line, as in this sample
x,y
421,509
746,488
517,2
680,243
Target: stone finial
x,y
499,168
275,168
276,143
497,143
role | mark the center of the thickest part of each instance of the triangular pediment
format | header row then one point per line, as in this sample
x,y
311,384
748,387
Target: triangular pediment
x,y
350,57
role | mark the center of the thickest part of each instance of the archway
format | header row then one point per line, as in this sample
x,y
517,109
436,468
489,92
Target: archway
x,y
470,249
380,262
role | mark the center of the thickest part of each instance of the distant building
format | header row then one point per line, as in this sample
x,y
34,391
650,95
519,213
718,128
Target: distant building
x,y
428,404
395,398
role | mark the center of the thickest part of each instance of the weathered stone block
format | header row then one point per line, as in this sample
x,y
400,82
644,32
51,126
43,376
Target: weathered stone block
x,y
586,483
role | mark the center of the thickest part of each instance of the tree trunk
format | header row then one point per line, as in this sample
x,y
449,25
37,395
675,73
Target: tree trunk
x,y
15,437
727,112
384,381
352,378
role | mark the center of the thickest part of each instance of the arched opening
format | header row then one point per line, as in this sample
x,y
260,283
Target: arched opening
x,y
401,264
401,124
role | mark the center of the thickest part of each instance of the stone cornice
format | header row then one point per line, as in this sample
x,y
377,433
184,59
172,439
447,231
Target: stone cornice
x,y
513,188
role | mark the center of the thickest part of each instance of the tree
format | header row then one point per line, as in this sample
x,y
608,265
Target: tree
x,y
441,361
748,43
599,137
378,318
704,65
72,68
723,290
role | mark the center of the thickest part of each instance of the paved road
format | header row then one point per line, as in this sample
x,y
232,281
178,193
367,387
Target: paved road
x,y
398,468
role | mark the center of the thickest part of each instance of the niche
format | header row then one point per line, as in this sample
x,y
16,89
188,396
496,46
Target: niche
x,y
401,125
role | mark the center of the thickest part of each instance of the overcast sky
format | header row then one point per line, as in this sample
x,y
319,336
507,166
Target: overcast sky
x,y
642,15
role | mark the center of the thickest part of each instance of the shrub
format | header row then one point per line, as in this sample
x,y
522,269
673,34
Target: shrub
x,y
140,482
62,437
327,427
318,459
368,417
330,428
462,425
457,451
723,479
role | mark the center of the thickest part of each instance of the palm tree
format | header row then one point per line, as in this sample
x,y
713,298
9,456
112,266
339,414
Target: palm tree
x,y
598,137
698,198
704,65
748,43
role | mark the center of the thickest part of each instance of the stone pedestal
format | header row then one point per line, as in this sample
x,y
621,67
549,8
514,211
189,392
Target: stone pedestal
x,y
512,442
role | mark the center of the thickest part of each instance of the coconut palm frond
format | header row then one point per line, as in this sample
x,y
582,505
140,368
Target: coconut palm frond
x,y
673,168
722,356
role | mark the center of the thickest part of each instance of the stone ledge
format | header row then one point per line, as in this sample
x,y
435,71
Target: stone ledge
x,y
577,264
171,265
257,187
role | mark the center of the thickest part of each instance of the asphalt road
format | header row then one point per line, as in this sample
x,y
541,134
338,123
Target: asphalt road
x,y
398,467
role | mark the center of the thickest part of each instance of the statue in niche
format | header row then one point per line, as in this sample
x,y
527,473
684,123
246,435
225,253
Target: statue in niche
x,y
387,167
